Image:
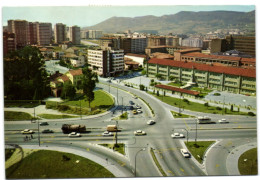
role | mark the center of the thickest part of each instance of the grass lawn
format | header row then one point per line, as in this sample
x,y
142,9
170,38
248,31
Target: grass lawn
x,y
180,115
193,106
17,116
198,150
157,163
56,116
247,163
175,84
119,148
21,104
53,164
121,117
8,153
203,91
102,100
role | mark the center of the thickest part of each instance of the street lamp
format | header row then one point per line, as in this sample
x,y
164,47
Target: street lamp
x,y
143,149
187,134
196,122
223,104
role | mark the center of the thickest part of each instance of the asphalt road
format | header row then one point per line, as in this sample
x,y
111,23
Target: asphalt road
x,y
238,130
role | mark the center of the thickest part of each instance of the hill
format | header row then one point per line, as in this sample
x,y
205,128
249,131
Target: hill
x,y
182,22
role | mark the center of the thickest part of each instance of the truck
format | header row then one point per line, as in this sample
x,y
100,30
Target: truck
x,y
68,128
204,120
112,128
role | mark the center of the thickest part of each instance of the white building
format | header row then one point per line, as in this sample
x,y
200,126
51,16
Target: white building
x,y
94,34
139,58
79,62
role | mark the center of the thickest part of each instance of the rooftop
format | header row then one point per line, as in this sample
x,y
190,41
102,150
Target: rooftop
x,y
186,91
75,72
204,67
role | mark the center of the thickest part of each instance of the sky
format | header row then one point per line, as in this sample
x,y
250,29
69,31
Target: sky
x,y
90,15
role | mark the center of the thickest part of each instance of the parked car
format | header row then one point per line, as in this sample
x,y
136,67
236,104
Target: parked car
x,y
139,133
177,135
137,106
223,121
74,134
185,153
139,111
134,112
44,123
150,122
131,102
107,133
47,131
27,131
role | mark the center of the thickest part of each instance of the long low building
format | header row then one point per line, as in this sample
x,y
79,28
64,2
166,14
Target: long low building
x,y
222,78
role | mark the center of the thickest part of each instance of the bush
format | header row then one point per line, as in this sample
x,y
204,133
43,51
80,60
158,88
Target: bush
x,y
63,107
186,100
251,114
141,86
218,108
206,104
217,94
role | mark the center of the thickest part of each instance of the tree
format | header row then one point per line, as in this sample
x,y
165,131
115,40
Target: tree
x,y
158,76
232,107
25,75
89,81
68,92
171,78
141,86
143,72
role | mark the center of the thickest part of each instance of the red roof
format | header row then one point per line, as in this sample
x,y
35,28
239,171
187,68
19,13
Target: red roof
x,y
201,55
136,55
186,91
204,67
75,72
64,78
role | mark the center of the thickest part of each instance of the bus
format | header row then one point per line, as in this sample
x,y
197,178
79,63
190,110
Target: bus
x,y
204,120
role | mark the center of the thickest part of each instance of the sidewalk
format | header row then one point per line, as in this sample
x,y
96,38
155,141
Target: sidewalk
x,y
232,159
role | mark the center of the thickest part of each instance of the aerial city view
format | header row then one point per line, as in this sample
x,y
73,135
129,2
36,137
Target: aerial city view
x,y
129,91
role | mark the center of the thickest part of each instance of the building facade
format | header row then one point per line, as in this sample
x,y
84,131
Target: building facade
x,y
138,45
156,41
231,79
21,30
94,34
33,38
59,33
44,33
9,42
74,34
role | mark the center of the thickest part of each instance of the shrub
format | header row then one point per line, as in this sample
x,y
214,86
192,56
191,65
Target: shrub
x,y
251,114
217,94
206,104
63,107
186,100
218,108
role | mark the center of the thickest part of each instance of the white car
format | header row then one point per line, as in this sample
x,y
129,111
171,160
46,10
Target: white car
x,y
137,106
74,134
27,131
139,111
150,122
185,153
223,121
177,135
139,133
107,133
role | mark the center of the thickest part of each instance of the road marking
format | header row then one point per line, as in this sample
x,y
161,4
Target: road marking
x,y
52,136
192,167
186,124
97,140
238,126
121,163
182,169
87,149
217,165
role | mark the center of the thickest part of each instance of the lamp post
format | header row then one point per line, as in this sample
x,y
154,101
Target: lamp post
x,y
196,131
223,104
187,134
143,149
39,139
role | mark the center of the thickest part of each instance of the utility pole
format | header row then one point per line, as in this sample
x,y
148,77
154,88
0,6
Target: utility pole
x,y
196,131
223,105
116,131
39,140
122,105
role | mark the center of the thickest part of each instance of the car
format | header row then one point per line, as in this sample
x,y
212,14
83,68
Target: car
x,y
27,131
223,121
107,133
137,106
139,111
47,131
150,122
44,123
134,112
131,102
139,133
74,134
185,153
177,135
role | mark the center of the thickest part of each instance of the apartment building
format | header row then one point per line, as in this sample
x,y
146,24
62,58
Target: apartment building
x,y
245,44
138,45
9,42
59,33
106,62
94,34
74,34
231,79
33,39
156,41
44,33
21,30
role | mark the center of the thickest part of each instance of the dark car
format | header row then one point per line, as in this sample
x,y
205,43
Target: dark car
x,y
47,131
44,123
131,102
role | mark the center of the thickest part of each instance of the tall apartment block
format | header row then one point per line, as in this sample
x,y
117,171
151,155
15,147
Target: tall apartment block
x,y
94,34
9,42
33,33
106,62
44,33
245,44
74,34
156,41
138,45
21,30
59,33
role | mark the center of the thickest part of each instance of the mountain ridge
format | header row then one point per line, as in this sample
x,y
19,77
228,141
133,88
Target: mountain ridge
x,y
181,22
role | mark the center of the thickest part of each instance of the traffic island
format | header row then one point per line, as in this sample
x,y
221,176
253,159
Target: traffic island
x,y
120,147
247,162
198,149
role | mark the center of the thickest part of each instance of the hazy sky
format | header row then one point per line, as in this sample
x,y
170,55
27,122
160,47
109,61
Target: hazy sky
x,y
91,15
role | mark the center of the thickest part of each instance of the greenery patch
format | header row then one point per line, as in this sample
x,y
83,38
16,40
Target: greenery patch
x,y
56,116
53,164
17,116
120,147
180,115
247,163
